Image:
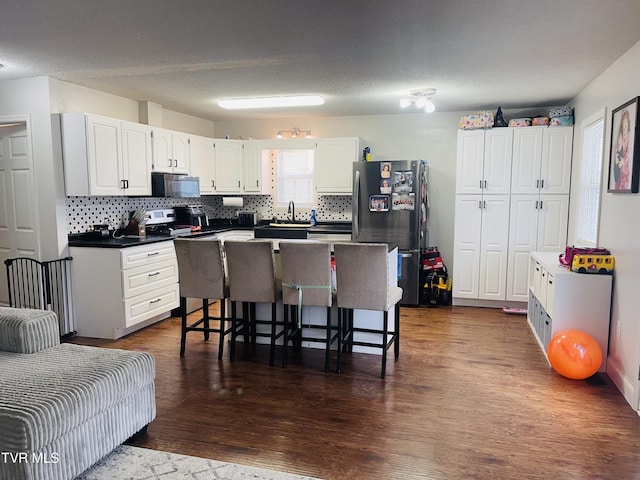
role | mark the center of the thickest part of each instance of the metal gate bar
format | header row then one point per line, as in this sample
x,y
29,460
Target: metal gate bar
x,y
44,285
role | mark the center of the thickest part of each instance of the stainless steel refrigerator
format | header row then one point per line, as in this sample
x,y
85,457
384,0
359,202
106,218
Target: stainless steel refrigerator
x,y
390,205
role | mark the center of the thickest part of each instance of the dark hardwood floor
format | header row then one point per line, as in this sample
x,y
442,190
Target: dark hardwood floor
x,y
471,397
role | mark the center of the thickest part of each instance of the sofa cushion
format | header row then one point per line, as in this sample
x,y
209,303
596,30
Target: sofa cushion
x,y
26,330
50,392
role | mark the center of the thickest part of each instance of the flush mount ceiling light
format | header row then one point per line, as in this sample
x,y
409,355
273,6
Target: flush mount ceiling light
x,y
421,98
271,102
295,132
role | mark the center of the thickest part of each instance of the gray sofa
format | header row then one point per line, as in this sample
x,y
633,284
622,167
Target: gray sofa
x,y
63,407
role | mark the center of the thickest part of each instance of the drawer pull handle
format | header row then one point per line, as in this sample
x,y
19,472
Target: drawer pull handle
x,y
155,301
154,274
152,254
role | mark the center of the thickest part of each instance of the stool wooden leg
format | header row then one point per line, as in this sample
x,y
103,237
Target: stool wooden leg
x,y
327,348
285,341
396,346
272,349
234,331
183,336
385,328
340,340
222,329
205,317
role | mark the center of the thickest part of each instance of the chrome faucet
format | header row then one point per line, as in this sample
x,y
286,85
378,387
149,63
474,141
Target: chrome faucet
x,y
292,211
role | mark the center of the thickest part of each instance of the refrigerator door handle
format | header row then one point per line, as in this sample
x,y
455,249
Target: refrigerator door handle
x,y
356,199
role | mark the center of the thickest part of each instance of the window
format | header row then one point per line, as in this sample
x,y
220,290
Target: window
x,y
293,178
591,172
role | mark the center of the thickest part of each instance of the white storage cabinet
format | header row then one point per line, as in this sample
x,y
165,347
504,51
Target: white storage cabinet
x,y
228,160
105,156
170,151
560,299
202,163
119,290
333,165
481,232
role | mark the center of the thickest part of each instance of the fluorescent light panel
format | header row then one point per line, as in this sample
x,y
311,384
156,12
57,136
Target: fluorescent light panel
x,y
271,102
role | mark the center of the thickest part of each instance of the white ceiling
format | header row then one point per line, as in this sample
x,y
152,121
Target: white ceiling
x,y
361,55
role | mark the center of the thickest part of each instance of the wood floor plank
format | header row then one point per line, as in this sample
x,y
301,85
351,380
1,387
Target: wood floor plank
x,y
471,397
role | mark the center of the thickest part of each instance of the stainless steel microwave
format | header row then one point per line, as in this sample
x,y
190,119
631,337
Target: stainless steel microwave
x,y
174,185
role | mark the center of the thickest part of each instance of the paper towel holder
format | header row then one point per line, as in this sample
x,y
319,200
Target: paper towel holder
x,y
232,202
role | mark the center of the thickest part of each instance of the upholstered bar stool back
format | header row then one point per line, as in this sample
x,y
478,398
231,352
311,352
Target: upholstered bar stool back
x,y
306,281
201,273
362,278
252,279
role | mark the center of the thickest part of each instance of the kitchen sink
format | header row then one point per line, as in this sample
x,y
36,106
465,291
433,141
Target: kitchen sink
x,y
282,230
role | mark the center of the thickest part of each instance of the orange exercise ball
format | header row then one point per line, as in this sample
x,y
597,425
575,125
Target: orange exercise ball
x,y
574,354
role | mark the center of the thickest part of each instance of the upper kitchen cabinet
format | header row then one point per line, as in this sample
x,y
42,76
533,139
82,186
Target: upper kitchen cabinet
x,y
255,171
105,156
542,160
170,151
334,165
483,164
202,163
228,160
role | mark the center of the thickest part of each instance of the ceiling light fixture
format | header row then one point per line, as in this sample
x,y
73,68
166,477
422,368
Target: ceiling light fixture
x,y
295,132
421,98
271,102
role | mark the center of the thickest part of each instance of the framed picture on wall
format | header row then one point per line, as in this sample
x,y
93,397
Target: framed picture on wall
x,y
624,158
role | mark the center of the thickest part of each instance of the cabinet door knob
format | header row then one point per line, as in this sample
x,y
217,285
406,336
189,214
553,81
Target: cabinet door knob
x,y
213,184
170,162
485,184
542,183
175,163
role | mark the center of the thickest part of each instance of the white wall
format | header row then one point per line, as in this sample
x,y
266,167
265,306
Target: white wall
x,y
619,222
391,137
29,98
67,97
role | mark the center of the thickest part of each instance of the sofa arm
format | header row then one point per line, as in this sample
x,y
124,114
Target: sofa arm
x,y
25,330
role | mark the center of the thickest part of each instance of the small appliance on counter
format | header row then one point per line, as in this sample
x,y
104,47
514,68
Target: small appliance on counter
x,y
249,219
191,215
174,185
162,222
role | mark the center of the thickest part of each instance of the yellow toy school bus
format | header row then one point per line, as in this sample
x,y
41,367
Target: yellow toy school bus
x,y
589,263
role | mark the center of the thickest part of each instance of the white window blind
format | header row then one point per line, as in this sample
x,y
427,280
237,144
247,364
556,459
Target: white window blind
x,y
589,192
294,178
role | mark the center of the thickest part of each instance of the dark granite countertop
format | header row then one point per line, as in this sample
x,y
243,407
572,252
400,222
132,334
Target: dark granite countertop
x,y
90,240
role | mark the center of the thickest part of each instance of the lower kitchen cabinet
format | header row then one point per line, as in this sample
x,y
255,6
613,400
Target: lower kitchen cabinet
x,y
560,299
117,291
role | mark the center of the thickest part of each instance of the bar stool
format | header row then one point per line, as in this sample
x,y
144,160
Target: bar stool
x,y
252,279
306,281
201,273
362,274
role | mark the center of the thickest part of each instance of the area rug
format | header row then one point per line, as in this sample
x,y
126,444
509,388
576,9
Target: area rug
x,y
134,463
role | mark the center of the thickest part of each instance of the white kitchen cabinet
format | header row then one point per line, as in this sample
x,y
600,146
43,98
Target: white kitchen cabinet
x,y
560,299
536,223
105,156
118,291
480,246
483,161
202,163
170,151
542,160
255,171
333,165
228,161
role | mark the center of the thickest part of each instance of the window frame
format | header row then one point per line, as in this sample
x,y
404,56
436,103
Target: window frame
x,y
587,185
280,206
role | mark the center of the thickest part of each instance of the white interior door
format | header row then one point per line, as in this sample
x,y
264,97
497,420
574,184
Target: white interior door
x,y
18,223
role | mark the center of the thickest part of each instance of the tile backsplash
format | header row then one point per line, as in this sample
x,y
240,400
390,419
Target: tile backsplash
x,y
83,212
